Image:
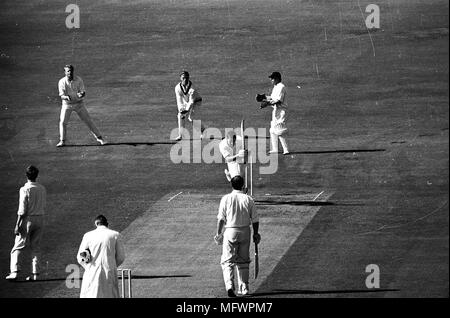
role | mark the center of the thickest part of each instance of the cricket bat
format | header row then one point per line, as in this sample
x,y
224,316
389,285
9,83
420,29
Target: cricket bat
x,y
244,146
256,264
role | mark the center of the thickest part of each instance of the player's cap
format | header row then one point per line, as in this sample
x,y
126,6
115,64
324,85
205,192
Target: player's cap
x,y
184,73
276,75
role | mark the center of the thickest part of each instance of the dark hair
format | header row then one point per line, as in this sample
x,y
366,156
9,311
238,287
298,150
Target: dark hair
x,y
275,75
101,220
32,173
69,66
237,182
184,73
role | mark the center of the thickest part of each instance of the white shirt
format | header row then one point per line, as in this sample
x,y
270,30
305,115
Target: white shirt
x,y
237,210
32,199
226,149
185,98
279,94
226,146
71,88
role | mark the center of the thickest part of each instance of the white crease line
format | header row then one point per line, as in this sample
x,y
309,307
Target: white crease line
x,y
174,196
318,195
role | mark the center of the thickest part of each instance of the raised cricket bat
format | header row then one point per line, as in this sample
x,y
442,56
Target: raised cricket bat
x,y
256,271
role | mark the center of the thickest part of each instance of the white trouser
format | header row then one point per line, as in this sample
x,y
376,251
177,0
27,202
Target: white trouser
x,y
236,169
274,141
236,255
30,237
66,111
190,114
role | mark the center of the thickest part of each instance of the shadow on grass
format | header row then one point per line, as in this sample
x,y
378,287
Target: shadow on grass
x,y
335,151
130,143
320,292
304,203
72,279
157,276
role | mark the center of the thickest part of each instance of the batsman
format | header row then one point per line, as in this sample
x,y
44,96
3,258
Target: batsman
x,y
234,155
237,212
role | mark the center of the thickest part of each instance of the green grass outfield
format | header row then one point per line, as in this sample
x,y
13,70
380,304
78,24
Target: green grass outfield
x,y
368,124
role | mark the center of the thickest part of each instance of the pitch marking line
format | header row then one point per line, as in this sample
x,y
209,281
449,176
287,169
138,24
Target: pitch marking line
x,y
318,195
174,196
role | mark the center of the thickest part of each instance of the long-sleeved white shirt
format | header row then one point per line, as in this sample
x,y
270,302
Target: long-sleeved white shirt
x,y
32,199
71,88
279,94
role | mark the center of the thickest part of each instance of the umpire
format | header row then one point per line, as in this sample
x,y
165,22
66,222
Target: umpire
x,y
236,213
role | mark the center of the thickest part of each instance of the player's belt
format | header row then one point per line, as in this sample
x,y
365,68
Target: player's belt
x,y
237,227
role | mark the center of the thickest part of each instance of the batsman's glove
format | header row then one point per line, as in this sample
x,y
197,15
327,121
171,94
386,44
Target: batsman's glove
x,y
260,97
256,238
218,238
264,104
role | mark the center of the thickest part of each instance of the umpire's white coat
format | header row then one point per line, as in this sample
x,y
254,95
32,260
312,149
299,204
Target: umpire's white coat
x,y
107,253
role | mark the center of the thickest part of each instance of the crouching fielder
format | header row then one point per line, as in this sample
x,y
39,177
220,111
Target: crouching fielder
x,y
236,213
232,157
188,100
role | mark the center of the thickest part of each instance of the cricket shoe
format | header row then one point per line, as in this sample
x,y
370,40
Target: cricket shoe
x,y
31,278
62,143
243,290
11,276
231,293
286,153
100,141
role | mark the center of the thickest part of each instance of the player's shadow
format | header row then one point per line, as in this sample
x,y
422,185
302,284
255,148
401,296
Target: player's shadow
x,y
221,138
80,279
40,280
334,151
320,292
157,276
303,203
126,143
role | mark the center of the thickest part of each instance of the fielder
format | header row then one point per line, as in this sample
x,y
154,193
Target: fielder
x,y
277,100
29,225
188,100
228,149
72,91
237,212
